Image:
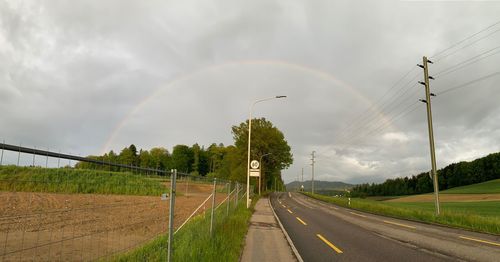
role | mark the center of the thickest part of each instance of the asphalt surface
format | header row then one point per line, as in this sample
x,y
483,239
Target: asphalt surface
x,y
324,232
265,241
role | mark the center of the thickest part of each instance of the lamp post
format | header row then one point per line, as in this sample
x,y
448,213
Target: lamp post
x,y
262,168
249,138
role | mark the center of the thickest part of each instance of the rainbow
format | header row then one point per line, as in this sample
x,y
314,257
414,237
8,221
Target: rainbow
x,y
276,63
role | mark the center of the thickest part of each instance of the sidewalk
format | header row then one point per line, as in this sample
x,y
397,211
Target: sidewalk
x,y
265,241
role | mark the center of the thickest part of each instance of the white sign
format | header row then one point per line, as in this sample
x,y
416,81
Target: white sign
x,y
255,172
254,164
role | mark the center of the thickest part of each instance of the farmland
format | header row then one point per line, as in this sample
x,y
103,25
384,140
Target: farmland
x,y
57,220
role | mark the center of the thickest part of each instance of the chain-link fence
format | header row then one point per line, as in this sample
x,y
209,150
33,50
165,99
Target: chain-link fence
x,y
54,213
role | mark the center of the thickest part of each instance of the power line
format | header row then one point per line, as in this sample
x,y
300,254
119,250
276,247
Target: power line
x,y
407,110
465,46
466,62
465,39
372,123
469,83
363,115
384,110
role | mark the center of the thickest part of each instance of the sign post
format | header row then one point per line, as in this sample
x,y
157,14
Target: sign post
x,y
254,170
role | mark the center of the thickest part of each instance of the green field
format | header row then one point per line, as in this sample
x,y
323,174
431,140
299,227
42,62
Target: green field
x,y
469,215
68,180
485,208
488,187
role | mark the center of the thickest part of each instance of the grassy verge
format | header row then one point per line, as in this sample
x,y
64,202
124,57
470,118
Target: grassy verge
x,y
481,208
449,217
66,180
194,243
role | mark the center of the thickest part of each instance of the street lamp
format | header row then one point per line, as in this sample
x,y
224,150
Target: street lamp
x,y
249,137
261,168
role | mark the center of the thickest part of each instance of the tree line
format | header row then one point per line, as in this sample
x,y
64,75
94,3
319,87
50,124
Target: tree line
x,y
453,175
216,160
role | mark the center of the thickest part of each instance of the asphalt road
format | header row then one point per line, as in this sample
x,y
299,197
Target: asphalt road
x,y
324,232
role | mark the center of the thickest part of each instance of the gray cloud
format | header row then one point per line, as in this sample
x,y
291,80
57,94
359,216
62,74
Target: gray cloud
x,y
83,75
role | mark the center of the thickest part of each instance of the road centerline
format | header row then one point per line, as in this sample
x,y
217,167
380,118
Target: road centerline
x,y
301,221
329,244
289,211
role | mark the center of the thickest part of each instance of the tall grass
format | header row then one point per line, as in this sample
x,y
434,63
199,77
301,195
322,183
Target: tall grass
x,y
194,242
466,220
67,180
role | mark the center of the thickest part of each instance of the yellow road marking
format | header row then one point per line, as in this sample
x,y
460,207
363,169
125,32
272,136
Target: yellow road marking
x,y
290,211
479,240
397,224
329,244
301,221
359,215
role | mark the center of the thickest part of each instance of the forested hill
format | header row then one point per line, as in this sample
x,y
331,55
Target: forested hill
x,y
453,175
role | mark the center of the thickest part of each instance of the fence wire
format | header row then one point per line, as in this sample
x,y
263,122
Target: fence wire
x,y
67,214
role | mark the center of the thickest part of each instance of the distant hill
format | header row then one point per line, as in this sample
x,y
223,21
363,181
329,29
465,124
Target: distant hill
x,y
319,185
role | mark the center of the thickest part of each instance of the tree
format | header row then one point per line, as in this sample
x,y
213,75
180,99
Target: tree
x,y
160,158
128,156
266,138
182,158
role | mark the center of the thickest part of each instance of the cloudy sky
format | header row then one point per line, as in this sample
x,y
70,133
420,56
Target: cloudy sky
x,y
84,77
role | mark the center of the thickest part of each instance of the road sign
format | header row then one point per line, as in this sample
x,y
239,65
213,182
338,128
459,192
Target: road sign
x,y
255,172
254,164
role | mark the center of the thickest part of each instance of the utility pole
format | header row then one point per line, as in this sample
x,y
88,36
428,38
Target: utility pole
x,y
312,164
427,100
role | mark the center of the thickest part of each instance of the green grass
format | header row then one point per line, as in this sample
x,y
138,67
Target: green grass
x,y
67,180
194,243
454,215
488,187
484,208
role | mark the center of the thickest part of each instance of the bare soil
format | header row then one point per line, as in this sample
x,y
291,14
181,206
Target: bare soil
x,y
448,198
81,227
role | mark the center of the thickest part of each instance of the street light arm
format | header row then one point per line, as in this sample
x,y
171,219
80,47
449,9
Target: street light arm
x,y
263,100
249,143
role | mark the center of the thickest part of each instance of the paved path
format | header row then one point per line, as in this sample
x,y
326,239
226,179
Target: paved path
x,y
265,241
325,232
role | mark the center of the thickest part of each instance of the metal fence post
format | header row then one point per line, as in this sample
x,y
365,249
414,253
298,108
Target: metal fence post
x,y
171,214
213,207
187,186
237,194
228,198
47,159
19,154
1,159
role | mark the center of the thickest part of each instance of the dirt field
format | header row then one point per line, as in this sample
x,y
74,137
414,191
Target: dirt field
x,y
448,198
81,227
